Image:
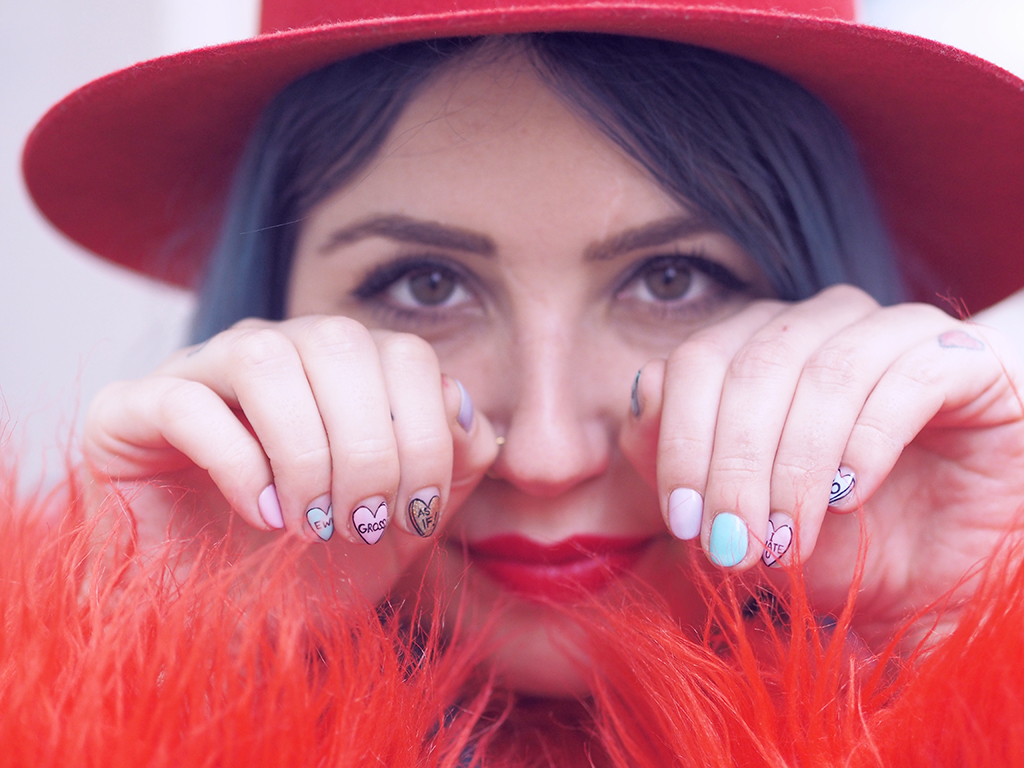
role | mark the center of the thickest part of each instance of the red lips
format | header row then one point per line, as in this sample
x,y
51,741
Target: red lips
x,y
560,572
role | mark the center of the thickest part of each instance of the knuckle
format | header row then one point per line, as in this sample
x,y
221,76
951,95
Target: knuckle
x,y
334,335
236,465
917,372
741,464
407,348
878,434
761,359
428,447
799,469
378,454
259,348
834,368
251,323
847,294
680,450
180,399
702,351
310,459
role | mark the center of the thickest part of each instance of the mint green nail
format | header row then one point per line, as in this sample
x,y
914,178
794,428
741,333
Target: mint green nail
x,y
728,545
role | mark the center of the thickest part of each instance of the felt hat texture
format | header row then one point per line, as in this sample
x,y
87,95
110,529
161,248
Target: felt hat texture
x,y
136,166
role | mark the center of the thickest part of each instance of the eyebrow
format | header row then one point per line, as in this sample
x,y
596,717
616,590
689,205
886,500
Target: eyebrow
x,y
406,229
658,232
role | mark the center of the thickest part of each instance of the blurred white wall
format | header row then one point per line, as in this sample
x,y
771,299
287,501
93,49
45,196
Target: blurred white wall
x,y
69,323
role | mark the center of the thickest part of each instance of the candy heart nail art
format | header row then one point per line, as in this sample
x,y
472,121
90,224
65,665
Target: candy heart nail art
x,y
779,539
370,524
842,485
423,514
321,521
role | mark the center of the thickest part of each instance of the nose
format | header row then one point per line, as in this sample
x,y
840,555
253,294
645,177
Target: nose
x,y
559,431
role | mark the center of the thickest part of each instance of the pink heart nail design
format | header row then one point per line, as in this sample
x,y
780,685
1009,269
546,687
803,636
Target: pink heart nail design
x,y
780,536
842,485
369,524
321,522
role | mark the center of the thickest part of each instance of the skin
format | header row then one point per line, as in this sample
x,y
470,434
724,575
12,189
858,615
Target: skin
x,y
749,401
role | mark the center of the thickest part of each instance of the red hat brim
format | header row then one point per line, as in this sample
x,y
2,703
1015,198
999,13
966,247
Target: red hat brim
x,y
136,166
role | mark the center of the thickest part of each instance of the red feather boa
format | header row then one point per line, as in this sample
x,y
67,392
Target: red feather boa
x,y
126,665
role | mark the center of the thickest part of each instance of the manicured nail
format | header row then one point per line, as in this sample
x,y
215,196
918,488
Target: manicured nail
x,y
842,485
779,538
685,511
728,545
424,510
270,507
634,396
465,407
320,517
370,518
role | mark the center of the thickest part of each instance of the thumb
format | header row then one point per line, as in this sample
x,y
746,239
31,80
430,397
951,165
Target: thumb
x,y
474,442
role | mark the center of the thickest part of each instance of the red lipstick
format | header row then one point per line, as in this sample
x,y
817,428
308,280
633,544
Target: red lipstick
x,y
560,572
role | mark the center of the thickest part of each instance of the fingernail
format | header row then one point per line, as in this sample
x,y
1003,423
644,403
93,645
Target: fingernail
x,y
270,507
465,418
370,518
424,510
842,485
634,397
728,545
685,511
320,517
779,538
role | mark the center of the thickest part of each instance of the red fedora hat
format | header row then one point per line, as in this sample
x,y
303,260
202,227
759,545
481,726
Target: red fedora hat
x,y
136,165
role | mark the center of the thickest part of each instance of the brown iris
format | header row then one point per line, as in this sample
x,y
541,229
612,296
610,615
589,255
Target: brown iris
x,y
668,282
433,286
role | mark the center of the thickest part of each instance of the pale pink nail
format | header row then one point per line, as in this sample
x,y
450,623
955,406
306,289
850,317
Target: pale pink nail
x,y
685,512
270,507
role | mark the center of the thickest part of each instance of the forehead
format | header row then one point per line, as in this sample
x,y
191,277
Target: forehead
x,y
488,131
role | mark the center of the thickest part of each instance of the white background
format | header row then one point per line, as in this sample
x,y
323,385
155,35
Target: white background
x,y
69,323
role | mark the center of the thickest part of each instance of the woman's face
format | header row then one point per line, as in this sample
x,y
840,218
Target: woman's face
x,y
545,268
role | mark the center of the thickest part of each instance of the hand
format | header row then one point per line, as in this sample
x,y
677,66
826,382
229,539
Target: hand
x,y
282,423
752,417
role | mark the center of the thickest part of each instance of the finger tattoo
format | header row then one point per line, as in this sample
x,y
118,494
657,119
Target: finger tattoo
x,y
960,340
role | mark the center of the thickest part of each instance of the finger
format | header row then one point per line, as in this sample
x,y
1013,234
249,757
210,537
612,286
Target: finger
x,y
136,430
956,378
474,443
757,394
344,371
833,387
691,400
257,367
422,435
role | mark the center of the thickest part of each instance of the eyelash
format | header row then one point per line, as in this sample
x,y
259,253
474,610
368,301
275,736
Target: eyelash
x,y
695,263
387,276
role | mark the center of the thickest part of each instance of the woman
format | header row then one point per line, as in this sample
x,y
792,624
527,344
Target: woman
x,y
573,307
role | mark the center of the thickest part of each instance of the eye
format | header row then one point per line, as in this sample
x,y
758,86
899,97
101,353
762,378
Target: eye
x,y
672,279
667,281
679,283
429,287
415,285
